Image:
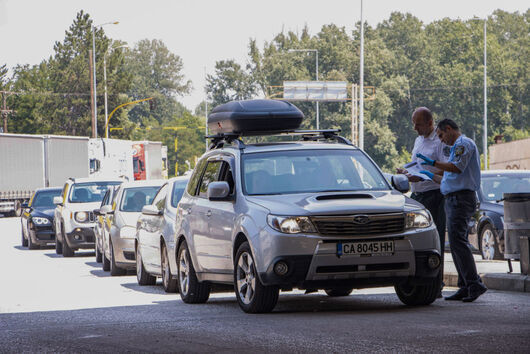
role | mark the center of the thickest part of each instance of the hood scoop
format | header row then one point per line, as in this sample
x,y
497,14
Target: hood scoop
x,y
344,196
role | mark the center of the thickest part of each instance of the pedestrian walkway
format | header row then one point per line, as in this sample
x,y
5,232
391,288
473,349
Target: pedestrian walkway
x,y
494,274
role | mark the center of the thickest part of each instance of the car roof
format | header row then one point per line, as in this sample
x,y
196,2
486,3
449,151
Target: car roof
x,y
143,183
179,178
285,146
88,179
505,172
46,189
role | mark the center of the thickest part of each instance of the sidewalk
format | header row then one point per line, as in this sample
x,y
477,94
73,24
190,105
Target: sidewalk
x,y
493,273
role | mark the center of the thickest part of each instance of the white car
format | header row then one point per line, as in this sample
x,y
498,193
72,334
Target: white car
x,y
155,230
120,224
74,218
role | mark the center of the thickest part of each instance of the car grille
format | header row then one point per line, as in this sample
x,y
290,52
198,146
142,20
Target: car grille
x,y
359,224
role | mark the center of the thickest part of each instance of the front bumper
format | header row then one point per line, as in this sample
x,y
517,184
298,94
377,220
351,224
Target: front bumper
x,y
81,238
124,253
313,262
42,235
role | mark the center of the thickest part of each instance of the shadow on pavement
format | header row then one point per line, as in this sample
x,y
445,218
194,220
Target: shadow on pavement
x,y
148,289
100,273
93,264
21,248
53,255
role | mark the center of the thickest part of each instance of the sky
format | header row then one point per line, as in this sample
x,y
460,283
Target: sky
x,y
202,32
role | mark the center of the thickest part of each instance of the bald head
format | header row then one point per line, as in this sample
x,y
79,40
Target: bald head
x,y
422,121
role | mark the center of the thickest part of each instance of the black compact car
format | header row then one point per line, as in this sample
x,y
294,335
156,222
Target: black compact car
x,y
487,235
37,218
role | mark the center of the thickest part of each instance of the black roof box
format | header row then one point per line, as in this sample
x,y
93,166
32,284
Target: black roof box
x,y
254,117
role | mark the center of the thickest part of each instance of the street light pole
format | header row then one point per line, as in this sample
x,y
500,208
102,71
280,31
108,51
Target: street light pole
x,y
105,80
485,136
94,72
361,85
316,66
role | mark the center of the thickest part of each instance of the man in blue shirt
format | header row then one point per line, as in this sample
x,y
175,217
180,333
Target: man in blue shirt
x,y
459,184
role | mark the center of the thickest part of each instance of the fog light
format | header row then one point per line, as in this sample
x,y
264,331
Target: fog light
x,y
434,261
77,237
78,230
281,268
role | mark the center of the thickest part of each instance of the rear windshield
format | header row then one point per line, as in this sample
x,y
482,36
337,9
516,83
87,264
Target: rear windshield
x,y
134,199
493,187
90,191
178,190
44,199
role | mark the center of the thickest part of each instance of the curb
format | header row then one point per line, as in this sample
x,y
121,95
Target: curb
x,y
496,281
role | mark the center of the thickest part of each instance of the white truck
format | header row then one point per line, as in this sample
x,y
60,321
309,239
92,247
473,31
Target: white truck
x,y
28,162
110,158
147,160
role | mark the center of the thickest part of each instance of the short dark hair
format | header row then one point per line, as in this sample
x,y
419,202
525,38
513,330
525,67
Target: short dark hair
x,y
424,113
443,124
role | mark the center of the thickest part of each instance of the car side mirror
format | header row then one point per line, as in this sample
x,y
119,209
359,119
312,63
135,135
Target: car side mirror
x,y
150,209
219,191
96,212
401,183
106,209
24,205
58,200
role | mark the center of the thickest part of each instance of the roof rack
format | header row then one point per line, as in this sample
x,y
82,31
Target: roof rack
x,y
219,140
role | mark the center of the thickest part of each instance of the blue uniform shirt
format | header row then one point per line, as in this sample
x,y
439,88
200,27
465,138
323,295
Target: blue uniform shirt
x,y
464,155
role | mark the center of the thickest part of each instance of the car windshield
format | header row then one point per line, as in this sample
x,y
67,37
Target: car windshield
x,y
134,199
178,190
90,191
44,199
285,172
493,187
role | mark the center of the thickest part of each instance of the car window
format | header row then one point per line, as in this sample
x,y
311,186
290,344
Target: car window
x,y
89,191
44,199
302,171
210,175
134,199
160,198
227,176
195,177
493,187
178,190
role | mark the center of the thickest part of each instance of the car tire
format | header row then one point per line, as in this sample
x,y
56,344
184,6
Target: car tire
x,y
191,290
419,295
31,244
142,276
251,294
18,209
67,251
114,269
169,284
106,261
489,243
99,258
336,292
24,240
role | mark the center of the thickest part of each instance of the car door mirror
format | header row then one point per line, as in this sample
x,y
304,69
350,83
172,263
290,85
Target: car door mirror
x,y
150,209
401,183
96,212
24,205
106,209
58,200
219,191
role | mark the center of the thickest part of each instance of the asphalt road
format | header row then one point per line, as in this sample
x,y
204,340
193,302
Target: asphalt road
x,y
53,304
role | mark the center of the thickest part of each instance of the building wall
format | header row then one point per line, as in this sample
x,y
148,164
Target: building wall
x,y
514,155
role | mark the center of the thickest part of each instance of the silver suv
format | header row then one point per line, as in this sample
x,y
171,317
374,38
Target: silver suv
x,y
311,214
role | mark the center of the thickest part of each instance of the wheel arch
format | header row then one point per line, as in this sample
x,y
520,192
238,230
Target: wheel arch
x,y
238,241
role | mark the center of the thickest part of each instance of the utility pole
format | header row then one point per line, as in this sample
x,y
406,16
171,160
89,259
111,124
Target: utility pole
x,y
90,67
361,84
5,111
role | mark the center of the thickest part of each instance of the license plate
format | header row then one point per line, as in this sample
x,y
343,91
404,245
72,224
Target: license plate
x,y
372,248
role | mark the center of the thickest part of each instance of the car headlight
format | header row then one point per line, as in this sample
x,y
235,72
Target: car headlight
x,y
81,216
418,219
128,232
291,224
40,221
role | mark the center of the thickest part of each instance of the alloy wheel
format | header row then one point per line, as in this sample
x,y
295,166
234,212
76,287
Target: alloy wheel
x,y
184,272
246,278
488,244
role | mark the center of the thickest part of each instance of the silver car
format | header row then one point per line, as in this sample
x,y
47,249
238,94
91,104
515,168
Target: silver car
x,y
120,224
309,214
155,229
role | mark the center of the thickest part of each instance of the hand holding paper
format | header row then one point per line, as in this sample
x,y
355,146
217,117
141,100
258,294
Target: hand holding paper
x,y
427,160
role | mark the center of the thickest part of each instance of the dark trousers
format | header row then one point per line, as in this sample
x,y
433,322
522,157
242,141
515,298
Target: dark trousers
x,y
434,202
460,207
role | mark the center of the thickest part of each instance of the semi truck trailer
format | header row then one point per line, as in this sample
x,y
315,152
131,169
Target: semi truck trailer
x,y
28,162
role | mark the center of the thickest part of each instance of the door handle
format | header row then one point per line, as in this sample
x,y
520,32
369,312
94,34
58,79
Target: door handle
x,y
209,213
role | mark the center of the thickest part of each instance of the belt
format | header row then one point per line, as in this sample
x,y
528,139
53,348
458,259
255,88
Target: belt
x,y
463,191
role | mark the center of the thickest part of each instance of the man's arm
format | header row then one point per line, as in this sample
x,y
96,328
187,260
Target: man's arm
x,y
444,166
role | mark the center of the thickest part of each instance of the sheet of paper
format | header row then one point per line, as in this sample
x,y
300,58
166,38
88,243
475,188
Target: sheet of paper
x,y
414,169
